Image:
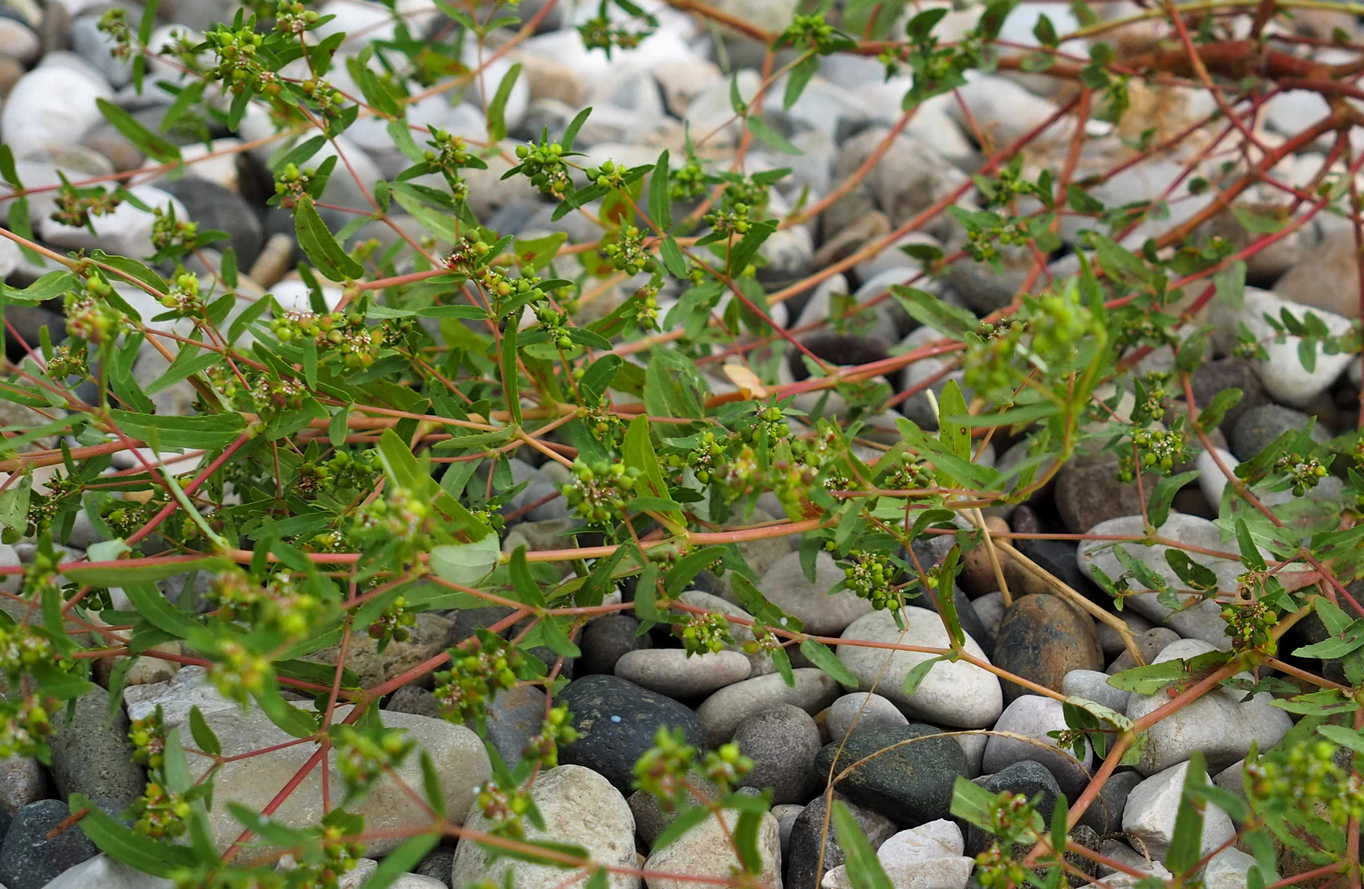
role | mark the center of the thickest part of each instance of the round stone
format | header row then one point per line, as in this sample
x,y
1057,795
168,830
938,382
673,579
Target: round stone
x,y
900,773
721,713
617,722
957,694
860,709
1042,638
786,586
605,639
782,742
1022,735
91,754
672,672
813,840
31,855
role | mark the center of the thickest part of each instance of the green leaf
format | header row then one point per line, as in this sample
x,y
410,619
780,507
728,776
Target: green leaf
x,y
7,168
746,840
1152,678
320,247
638,451
932,311
497,120
202,734
153,605
1163,494
401,860
823,657
660,201
915,677
511,373
955,437
149,143
673,259
49,286
1216,410
1345,737
123,844
466,563
1341,644
797,80
1187,843
764,133
863,867
685,821
168,432
290,719
14,509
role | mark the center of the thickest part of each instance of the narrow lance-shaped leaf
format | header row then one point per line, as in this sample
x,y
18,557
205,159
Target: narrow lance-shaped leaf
x,y
321,247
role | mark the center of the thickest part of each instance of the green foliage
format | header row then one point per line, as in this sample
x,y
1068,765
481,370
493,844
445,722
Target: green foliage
x,y
339,471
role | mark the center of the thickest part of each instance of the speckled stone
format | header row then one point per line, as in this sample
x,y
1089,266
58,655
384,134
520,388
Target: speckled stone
x,y
616,722
1042,638
906,777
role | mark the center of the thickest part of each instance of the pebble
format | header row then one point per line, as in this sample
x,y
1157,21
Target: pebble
x,y
579,806
1092,685
809,601
813,840
616,722
515,716
23,780
1326,276
925,857
721,713
214,207
1087,492
759,662
1201,620
365,868
1104,815
958,694
29,858
1023,728
1212,377
672,672
1153,805
1027,777
103,872
605,640
860,709
457,753
1282,372
1149,642
91,753
1219,723
33,123
1259,426
706,853
1043,637
906,779
782,741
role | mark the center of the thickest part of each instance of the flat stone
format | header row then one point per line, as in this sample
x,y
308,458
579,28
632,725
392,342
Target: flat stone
x,y
1258,427
761,662
721,713
428,637
672,672
1282,372
578,806
905,776
1088,492
365,868
187,689
1229,869
956,694
515,716
1153,805
782,741
460,762
22,781
617,721
1030,718
1042,638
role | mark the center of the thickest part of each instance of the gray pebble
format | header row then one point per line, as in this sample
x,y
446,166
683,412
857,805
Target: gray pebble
x,y
782,742
671,671
860,708
1093,685
91,753
29,859
721,713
